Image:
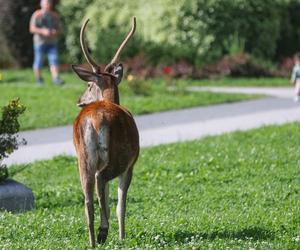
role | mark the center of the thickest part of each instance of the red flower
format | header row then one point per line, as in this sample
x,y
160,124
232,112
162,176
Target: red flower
x,y
167,70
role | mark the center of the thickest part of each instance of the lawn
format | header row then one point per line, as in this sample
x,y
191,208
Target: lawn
x,y
50,105
238,190
244,82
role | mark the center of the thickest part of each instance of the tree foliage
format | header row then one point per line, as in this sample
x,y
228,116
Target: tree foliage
x,y
159,35
289,40
197,31
72,13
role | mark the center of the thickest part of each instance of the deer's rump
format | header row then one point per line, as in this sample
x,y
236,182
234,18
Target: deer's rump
x,y
109,134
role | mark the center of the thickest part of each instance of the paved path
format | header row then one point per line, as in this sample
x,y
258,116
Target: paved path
x,y
281,92
173,126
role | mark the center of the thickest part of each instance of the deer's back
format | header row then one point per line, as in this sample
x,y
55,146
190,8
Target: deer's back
x,y
107,134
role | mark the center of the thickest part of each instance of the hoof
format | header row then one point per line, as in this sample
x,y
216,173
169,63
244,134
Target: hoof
x,y
102,236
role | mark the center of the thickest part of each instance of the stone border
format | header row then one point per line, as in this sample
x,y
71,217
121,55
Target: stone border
x,y
15,197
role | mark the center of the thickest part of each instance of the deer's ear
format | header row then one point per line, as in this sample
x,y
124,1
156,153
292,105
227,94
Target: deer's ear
x,y
86,75
118,72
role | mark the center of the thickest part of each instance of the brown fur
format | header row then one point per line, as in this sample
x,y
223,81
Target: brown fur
x,y
124,138
120,155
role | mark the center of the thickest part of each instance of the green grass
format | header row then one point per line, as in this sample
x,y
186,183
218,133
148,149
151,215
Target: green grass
x,y
244,82
239,190
50,105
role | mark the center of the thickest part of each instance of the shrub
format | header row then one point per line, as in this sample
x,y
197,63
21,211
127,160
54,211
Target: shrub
x,y
289,40
197,31
159,35
9,127
138,86
254,67
72,13
255,23
3,172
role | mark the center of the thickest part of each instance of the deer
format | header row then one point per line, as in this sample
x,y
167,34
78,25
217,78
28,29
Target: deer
x,y
106,139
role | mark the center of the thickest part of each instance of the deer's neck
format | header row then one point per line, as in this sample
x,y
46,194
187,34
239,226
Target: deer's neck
x,y
112,95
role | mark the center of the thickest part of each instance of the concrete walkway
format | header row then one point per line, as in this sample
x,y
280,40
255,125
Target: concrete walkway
x,y
281,92
174,126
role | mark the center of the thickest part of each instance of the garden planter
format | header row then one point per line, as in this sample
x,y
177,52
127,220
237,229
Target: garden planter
x,y
15,197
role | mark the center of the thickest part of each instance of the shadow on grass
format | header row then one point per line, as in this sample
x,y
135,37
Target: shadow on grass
x,y
255,233
250,233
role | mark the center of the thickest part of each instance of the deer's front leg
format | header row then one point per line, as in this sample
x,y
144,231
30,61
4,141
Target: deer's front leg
x,y
103,199
124,182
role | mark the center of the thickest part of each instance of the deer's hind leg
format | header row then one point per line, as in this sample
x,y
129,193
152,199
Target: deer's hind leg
x,y
87,167
102,190
88,184
101,183
124,182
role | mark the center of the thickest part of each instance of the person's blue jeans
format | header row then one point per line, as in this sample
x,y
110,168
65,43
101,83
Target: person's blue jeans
x,y
40,50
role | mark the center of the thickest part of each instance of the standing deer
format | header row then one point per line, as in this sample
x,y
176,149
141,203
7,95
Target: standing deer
x,y
106,139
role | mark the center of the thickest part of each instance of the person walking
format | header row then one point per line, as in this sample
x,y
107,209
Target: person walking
x,y
295,77
45,26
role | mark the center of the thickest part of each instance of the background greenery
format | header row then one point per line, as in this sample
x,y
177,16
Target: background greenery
x,y
236,191
198,31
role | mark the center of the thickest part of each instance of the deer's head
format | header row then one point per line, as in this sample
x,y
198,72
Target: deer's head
x,y
101,84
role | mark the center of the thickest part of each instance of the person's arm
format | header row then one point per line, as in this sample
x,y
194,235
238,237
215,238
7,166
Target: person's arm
x,y
41,31
36,30
293,76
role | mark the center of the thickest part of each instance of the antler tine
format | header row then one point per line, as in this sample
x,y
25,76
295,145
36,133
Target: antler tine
x,y
87,56
116,57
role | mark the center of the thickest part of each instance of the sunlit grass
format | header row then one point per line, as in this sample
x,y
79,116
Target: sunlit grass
x,y
51,105
244,82
239,190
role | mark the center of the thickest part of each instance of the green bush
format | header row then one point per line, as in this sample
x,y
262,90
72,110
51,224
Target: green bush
x,y
3,172
254,24
139,87
254,67
198,31
9,127
72,13
159,32
289,39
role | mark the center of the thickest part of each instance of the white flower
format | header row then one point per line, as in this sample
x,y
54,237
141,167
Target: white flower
x,y
297,238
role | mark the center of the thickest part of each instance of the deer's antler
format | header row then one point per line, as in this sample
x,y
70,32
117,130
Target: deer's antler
x,y
130,34
94,65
